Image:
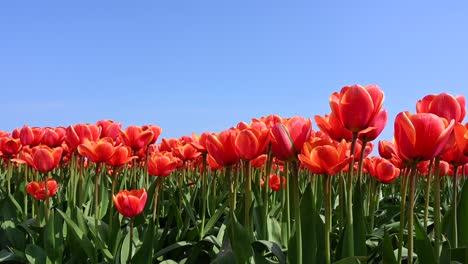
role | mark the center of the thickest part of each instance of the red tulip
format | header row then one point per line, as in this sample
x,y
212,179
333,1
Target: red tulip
x,y
130,203
100,151
323,157
387,149
31,136
461,137
221,147
276,182
9,146
382,169
444,105
136,137
287,139
43,158
53,137
332,126
80,133
358,106
161,164
122,155
420,136
251,143
186,152
156,132
109,128
38,190
199,142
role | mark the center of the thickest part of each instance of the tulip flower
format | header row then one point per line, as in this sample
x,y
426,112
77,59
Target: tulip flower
x,y
413,132
109,128
444,105
251,143
186,152
100,151
382,169
122,155
43,158
9,146
53,137
80,133
31,136
357,107
287,139
38,190
130,203
221,147
156,132
332,126
161,164
136,137
323,157
461,137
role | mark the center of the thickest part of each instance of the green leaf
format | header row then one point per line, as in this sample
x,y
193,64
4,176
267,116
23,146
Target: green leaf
x,y
274,230
85,243
309,232
49,237
144,253
422,244
104,198
14,234
359,222
5,256
388,251
19,210
35,254
462,213
214,219
240,241
125,249
260,245
174,246
349,260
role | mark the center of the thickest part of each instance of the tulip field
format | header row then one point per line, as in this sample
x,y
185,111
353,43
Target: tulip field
x,y
269,190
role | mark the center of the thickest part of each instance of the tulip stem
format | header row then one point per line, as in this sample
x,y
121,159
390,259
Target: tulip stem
x,y
266,193
96,196
156,194
454,206
227,175
328,216
130,253
404,187
349,250
47,202
437,208
248,197
428,193
411,213
203,180
297,211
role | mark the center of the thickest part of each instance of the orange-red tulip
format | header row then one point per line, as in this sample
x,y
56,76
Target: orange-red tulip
x,y
9,146
161,164
421,136
156,132
287,139
38,190
53,137
461,137
444,105
358,106
387,149
80,133
43,158
31,136
333,127
109,128
324,157
122,155
221,147
382,169
130,203
136,137
100,151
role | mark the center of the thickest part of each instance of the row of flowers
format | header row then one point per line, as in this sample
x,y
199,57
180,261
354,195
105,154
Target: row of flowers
x,y
431,142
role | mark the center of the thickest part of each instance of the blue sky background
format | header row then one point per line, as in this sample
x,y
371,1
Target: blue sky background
x,y
195,66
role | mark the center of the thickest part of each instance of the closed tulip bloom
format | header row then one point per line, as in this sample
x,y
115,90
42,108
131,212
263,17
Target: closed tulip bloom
x,y
156,132
250,143
38,190
130,203
53,137
386,149
100,151
324,157
31,136
461,137
421,136
444,105
288,139
109,128
358,106
43,158
276,182
221,147
80,133
382,169
161,164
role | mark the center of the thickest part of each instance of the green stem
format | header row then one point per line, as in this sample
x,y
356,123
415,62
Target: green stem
x,y
47,203
454,206
26,176
156,194
328,217
341,191
131,242
266,192
9,175
411,212
404,187
204,187
248,197
427,198
349,250
227,175
96,196
297,211
437,233
288,208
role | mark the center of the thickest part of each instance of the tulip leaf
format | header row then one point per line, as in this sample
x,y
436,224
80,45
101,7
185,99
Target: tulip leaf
x,y
459,255
388,251
125,249
349,260
5,256
14,235
144,253
35,254
462,213
240,241
260,245
359,222
104,199
49,237
85,243
309,226
19,210
214,219
274,230
422,244
174,246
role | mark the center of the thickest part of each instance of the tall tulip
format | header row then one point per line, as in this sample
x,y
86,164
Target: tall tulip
x,y
43,158
288,139
444,105
100,151
222,147
136,137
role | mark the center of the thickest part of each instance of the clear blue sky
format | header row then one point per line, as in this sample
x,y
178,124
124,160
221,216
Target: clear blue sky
x,y
195,66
